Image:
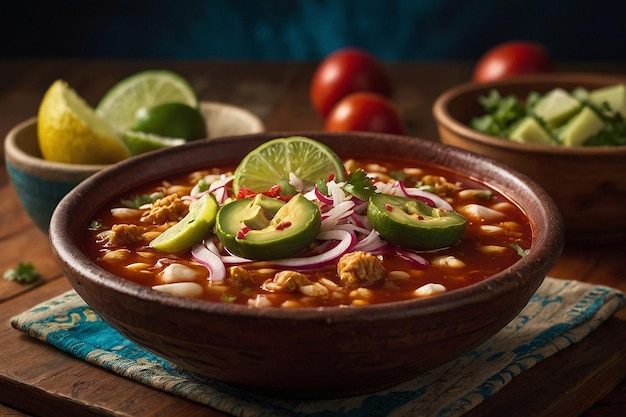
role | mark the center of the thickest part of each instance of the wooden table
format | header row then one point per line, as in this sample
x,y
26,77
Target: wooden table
x,y
35,378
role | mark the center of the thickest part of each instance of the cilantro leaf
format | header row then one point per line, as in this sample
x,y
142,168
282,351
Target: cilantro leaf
x,y
141,199
359,185
520,251
24,273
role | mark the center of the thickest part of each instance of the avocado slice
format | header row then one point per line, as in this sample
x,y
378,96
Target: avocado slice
x,y
614,96
581,127
250,227
556,107
414,224
530,131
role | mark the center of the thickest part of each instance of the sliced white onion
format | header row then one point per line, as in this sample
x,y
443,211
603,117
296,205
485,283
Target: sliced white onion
x,y
336,192
212,261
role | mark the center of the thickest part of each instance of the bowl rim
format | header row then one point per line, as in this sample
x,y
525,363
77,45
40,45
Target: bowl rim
x,y
442,115
34,165
549,235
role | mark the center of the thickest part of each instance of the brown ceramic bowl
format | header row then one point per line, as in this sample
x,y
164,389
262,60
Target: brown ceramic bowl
x,y
325,352
588,184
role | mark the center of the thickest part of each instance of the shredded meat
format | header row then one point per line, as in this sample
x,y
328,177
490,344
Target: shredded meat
x,y
286,281
126,235
360,269
441,185
167,209
241,276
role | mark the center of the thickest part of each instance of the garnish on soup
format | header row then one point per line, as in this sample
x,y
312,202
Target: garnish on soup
x,y
376,232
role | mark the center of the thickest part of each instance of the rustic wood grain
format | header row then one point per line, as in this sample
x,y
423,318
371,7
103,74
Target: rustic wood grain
x,y
36,379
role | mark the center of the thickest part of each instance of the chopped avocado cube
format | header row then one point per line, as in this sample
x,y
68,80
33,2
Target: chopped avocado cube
x,y
556,107
581,127
530,131
614,96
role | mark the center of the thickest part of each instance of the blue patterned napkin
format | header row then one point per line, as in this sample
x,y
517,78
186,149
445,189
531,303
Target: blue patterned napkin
x,y
559,314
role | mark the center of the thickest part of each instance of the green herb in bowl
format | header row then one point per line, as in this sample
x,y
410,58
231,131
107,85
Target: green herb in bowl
x,y
579,117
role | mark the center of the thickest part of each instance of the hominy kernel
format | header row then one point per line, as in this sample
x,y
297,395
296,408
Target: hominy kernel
x,y
178,273
178,189
328,284
116,255
314,290
138,266
151,235
489,229
511,225
220,289
360,302
125,213
360,292
492,249
182,289
291,304
398,275
429,289
414,172
503,206
448,262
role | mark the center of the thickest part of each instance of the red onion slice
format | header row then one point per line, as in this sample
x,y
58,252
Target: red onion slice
x,y
346,242
411,256
212,261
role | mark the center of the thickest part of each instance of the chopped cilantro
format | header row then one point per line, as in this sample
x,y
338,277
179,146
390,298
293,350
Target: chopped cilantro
x,y
141,199
521,252
359,185
203,185
228,298
96,225
24,273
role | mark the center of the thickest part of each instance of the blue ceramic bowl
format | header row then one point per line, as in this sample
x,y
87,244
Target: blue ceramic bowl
x,y
39,184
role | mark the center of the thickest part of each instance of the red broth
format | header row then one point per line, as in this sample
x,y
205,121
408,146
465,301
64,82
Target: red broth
x,y
497,234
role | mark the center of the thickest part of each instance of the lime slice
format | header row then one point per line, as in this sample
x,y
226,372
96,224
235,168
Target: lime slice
x,y
175,120
69,131
190,229
274,160
143,90
141,142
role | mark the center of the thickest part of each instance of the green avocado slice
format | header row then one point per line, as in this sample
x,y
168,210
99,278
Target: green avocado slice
x,y
413,224
256,228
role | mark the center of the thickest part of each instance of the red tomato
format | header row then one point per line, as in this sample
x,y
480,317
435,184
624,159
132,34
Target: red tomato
x,y
366,112
347,71
512,58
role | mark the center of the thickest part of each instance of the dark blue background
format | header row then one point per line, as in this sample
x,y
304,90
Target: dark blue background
x,y
309,29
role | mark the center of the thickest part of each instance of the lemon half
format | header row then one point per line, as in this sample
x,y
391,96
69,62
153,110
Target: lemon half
x,y
69,130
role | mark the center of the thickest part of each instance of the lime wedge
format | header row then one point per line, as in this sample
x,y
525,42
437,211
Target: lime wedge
x,y
274,160
143,90
141,142
174,120
190,229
